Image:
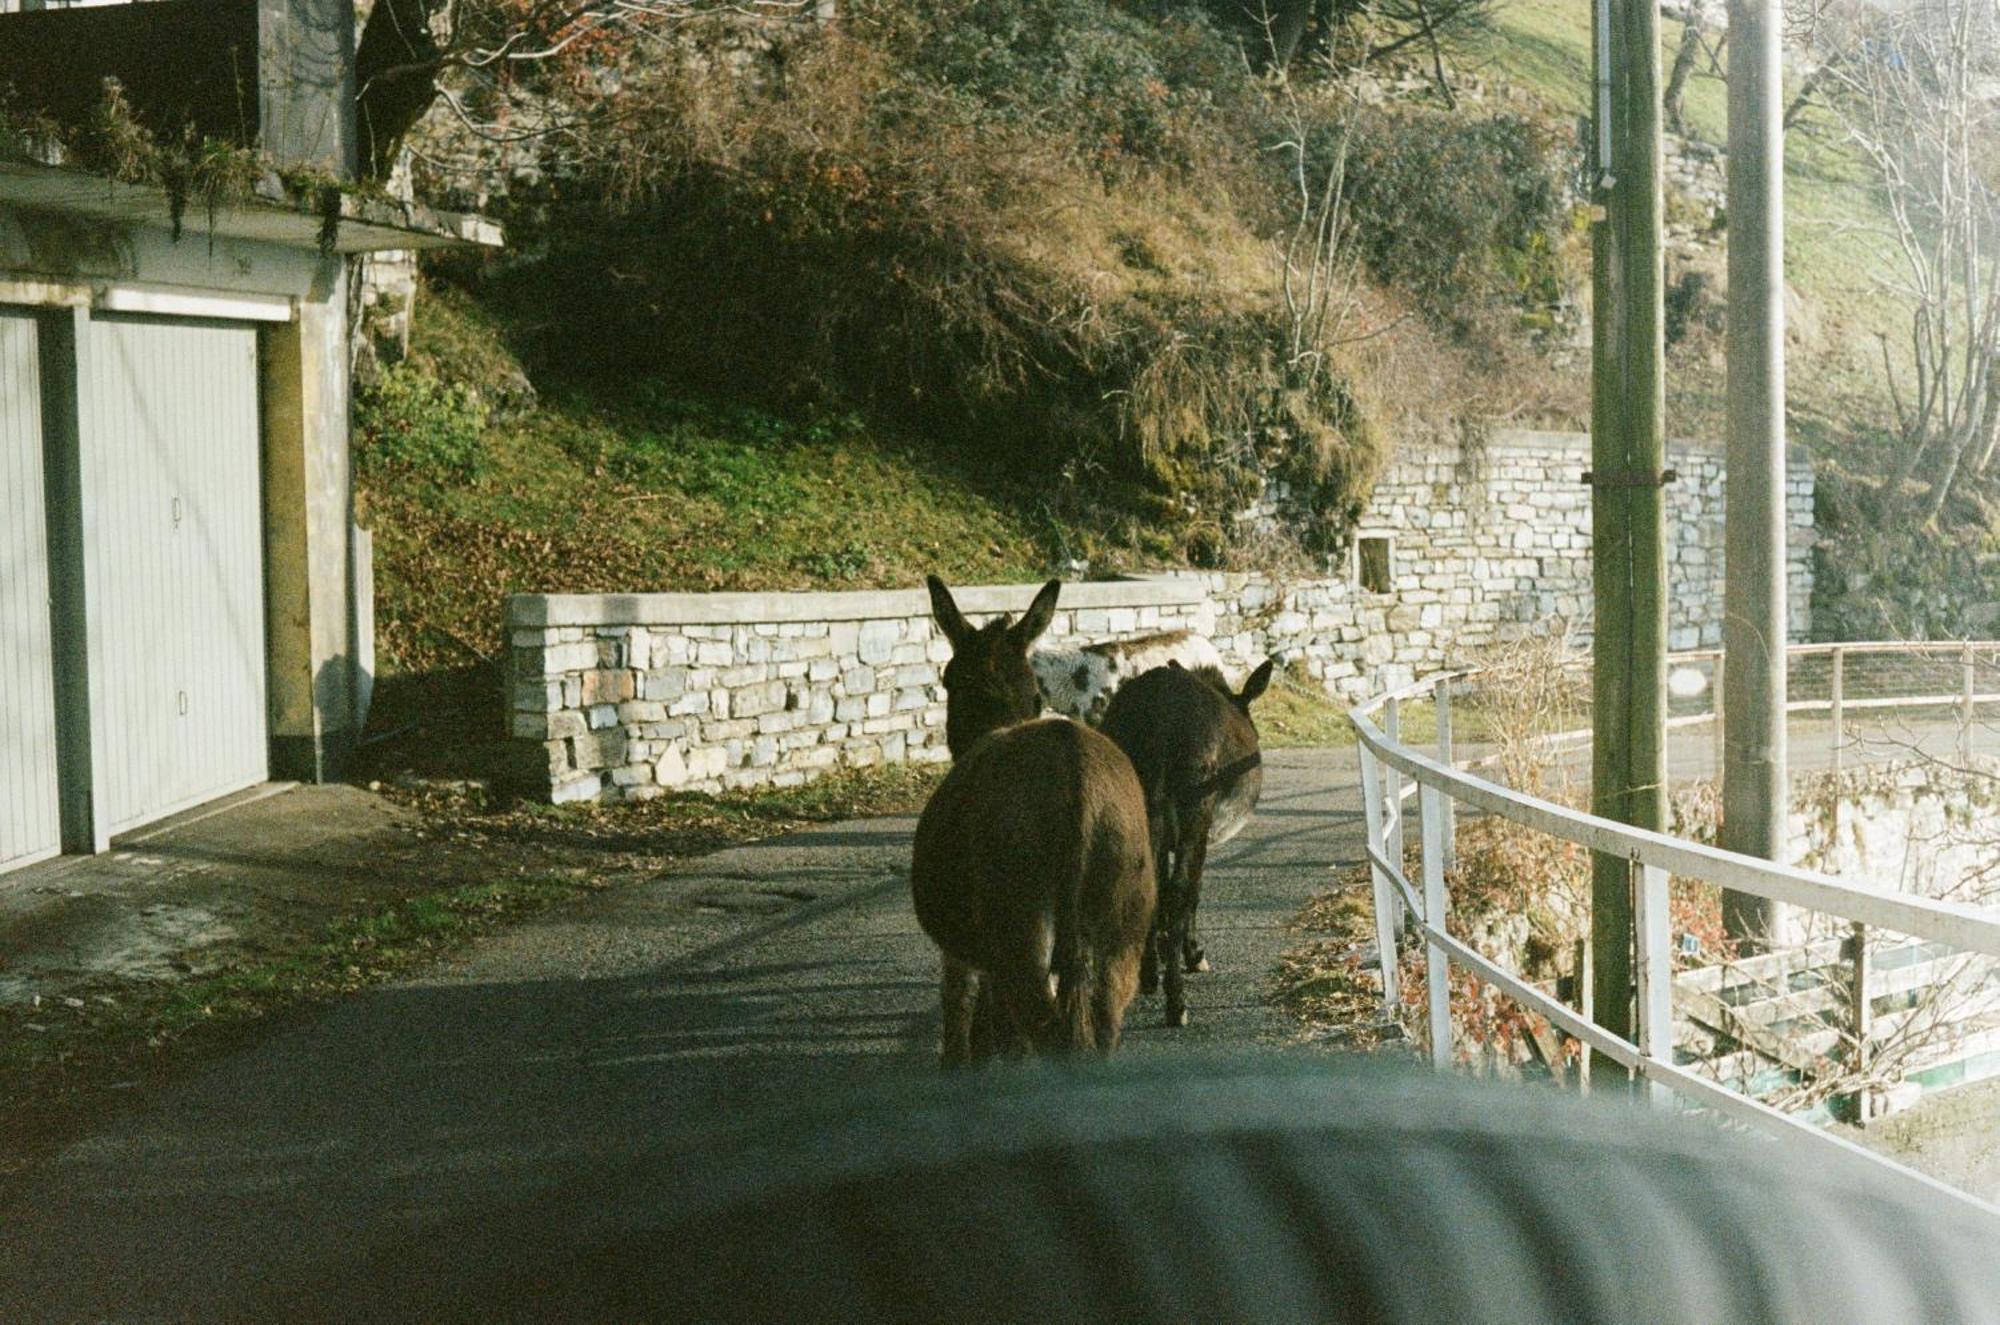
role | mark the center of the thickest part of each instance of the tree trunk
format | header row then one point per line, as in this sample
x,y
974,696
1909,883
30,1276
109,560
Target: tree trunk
x,y
1675,99
1285,23
396,66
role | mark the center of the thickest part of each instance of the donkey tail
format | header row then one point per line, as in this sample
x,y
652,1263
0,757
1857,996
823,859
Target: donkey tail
x,y
1070,961
1071,968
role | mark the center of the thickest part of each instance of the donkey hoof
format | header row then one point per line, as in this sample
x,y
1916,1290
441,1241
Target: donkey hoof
x,y
1177,1017
1198,964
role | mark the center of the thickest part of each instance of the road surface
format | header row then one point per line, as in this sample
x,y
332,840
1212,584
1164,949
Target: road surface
x,y
334,1170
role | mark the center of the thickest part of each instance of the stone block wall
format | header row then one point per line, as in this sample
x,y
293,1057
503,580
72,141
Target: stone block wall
x,y
627,696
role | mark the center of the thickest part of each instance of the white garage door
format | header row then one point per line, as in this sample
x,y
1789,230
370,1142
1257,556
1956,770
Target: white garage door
x,y
29,827
168,432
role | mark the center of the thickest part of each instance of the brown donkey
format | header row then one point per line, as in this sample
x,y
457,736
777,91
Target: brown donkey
x,y
1195,748
1033,869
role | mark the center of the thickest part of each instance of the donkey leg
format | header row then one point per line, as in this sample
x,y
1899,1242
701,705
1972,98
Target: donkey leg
x,y
1193,955
958,992
1172,933
1156,953
1117,982
986,1027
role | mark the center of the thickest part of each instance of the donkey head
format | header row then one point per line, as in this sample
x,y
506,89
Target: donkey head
x,y
988,682
1253,689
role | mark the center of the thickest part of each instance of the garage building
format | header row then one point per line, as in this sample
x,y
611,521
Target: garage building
x,y
184,596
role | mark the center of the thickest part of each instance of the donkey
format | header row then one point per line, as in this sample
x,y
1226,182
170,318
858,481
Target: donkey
x,y
1194,745
1079,683
1033,865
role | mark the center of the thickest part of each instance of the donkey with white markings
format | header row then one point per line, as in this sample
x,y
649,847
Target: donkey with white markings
x,y
1080,682
1193,743
1033,867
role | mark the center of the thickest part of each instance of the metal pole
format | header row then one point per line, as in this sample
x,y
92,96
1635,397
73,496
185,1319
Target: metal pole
x,y
1656,969
1433,805
1838,753
1628,461
1755,789
1392,788
1442,692
1718,727
1965,707
1861,1010
1386,900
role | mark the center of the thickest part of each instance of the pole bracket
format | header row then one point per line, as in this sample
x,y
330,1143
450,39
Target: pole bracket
x,y
1660,480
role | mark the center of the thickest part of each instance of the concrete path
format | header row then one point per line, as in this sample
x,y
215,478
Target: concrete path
x,y
341,1170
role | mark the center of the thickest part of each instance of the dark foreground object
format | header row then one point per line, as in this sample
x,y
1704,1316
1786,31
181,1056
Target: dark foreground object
x,y
1168,1190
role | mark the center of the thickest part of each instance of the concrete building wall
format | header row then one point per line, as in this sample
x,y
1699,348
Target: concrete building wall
x,y
52,261
619,697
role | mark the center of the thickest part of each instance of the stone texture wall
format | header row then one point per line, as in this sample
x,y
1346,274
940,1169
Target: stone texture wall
x,y
625,696
628,696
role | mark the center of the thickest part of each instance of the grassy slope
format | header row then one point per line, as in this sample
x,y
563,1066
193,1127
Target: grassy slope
x,y
655,494
1543,48
584,493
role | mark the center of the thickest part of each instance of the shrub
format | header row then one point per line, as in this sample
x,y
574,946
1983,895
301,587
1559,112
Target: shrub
x,y
408,421
1033,233
1466,216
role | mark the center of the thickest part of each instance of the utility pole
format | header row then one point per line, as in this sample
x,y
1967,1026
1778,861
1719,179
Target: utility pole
x,y
1755,787
1628,459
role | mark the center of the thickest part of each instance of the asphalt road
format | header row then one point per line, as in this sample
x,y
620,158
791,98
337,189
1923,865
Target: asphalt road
x,y
540,1091
423,1134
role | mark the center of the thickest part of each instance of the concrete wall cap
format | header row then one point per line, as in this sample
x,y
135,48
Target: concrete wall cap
x,y
527,611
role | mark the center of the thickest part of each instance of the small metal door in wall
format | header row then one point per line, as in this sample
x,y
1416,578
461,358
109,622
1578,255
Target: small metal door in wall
x,y
30,826
173,558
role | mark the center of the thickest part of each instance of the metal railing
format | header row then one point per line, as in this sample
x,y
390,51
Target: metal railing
x,y
1392,773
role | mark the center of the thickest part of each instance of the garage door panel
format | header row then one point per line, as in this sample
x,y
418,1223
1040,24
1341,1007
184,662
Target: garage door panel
x,y
173,511
30,827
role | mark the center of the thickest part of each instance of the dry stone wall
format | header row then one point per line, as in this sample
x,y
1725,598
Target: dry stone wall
x,y
628,696
623,697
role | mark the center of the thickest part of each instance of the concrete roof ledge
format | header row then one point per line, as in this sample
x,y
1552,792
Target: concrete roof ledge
x,y
272,216
532,611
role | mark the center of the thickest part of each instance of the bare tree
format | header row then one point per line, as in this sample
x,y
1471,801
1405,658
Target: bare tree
x,y
477,55
1917,96
1696,22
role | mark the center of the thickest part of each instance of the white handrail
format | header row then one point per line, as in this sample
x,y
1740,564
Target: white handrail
x,y
1440,785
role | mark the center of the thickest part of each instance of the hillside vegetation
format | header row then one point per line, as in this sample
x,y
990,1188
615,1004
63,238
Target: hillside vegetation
x,y
1004,288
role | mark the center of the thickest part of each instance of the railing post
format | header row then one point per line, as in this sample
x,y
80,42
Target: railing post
x,y
1655,968
1433,807
1386,900
1965,708
1715,687
1442,693
1861,1011
1839,726
1392,786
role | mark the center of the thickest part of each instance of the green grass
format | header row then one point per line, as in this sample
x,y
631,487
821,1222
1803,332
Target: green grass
x,y
1295,712
1542,47
639,489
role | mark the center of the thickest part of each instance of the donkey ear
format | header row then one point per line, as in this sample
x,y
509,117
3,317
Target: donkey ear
x,y
1259,682
950,620
1040,612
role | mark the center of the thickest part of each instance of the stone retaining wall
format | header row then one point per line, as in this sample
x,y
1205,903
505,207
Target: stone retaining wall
x,y
631,695
621,697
